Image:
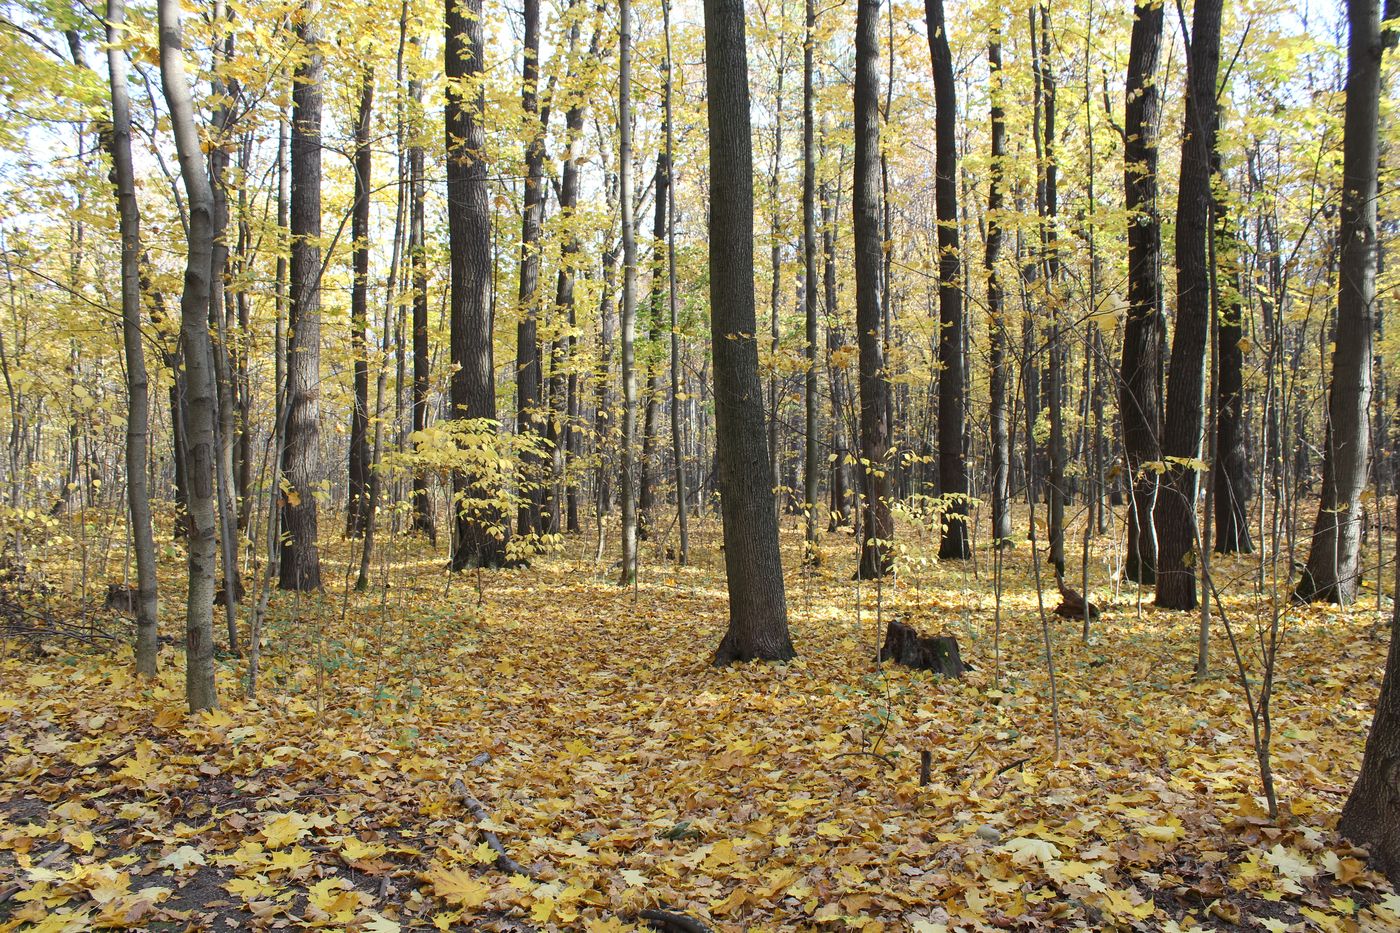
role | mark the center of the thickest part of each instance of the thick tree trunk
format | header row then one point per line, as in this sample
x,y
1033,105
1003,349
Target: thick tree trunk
x,y
357,511
528,374
754,570
301,459
200,691
137,384
1186,382
996,314
1333,572
877,550
1140,378
481,533
952,414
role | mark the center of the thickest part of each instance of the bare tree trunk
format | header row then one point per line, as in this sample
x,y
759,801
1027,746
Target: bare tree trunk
x,y
646,502
677,447
840,511
137,385
418,260
996,313
301,458
528,416
1233,486
481,533
200,691
754,571
811,477
1333,572
952,414
629,297
1140,384
877,548
1186,377
357,504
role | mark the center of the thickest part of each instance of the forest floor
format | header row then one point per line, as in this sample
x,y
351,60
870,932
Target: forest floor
x,y
625,773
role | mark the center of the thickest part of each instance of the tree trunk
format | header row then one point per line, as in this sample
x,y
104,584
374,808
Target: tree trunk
x,y
481,534
137,385
629,297
876,555
1186,383
1140,382
840,511
528,416
811,474
754,571
357,511
1233,485
996,313
200,691
646,504
952,415
301,459
677,451
418,262
1333,572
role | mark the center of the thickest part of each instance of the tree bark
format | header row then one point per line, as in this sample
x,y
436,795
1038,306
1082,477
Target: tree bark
x,y
1233,485
996,313
422,361
811,475
1186,383
528,416
357,512
301,458
1333,572
677,449
629,297
952,414
754,571
876,555
200,691
137,384
481,533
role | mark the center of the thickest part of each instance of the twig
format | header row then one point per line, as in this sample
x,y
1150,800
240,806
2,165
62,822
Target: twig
x,y
11,890
1015,764
883,759
503,860
673,922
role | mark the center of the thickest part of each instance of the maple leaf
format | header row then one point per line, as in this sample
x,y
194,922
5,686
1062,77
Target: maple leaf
x,y
284,830
457,887
183,858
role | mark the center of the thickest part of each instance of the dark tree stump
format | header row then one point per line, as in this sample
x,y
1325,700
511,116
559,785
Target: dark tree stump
x,y
937,653
1073,606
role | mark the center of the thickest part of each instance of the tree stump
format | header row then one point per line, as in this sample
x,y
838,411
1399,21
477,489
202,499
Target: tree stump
x,y
1073,606
937,653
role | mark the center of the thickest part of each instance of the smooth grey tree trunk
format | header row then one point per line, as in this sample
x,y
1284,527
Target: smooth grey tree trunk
x,y
200,690
629,297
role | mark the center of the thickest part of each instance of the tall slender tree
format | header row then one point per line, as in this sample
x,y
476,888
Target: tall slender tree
x,y
811,477
952,363
876,555
301,457
418,265
996,310
1144,332
628,323
758,627
357,502
200,691
137,384
527,342
1186,374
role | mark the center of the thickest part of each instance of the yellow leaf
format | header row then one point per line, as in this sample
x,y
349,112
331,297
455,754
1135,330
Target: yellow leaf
x,y
457,886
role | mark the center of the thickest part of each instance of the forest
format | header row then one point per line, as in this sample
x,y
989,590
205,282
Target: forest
x,y
699,465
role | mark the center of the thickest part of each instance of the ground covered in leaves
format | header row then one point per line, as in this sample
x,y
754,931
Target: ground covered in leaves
x,y
625,773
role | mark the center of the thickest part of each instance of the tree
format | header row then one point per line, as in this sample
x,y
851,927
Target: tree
x,y
757,604
480,535
1231,470
1333,571
418,265
357,502
677,449
996,311
301,457
876,556
137,384
1186,383
952,414
629,296
1144,332
811,476
527,352
200,691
